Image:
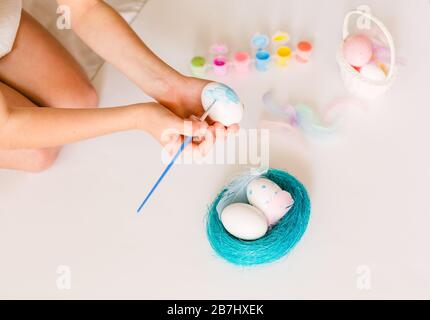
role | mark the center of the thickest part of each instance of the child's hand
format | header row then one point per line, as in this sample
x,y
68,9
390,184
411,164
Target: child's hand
x,y
185,102
170,130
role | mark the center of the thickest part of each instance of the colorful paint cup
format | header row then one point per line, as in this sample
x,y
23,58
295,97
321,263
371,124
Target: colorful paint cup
x,y
304,50
280,38
220,66
262,60
241,62
260,41
283,56
198,66
262,57
219,49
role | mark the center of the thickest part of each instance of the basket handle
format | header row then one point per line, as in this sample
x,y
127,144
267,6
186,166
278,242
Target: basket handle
x,y
381,26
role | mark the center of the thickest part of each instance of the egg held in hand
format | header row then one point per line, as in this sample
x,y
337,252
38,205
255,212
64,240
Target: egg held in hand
x,y
244,221
267,196
227,107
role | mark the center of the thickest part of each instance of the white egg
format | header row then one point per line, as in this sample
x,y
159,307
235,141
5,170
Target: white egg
x,y
267,196
227,108
244,221
373,72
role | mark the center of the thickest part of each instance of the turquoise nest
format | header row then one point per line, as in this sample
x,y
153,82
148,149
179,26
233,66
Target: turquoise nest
x,y
277,242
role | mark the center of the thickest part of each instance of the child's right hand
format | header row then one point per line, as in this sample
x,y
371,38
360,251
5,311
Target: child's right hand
x,y
170,130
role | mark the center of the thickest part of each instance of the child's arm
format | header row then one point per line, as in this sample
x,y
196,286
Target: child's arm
x,y
104,30
34,127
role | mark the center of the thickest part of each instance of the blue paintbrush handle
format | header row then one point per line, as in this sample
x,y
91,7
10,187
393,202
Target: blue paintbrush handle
x,y
178,153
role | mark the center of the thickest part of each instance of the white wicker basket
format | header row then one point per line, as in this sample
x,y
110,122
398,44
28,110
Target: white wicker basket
x,y
356,83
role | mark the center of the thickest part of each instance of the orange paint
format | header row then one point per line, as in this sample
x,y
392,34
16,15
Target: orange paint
x,y
304,46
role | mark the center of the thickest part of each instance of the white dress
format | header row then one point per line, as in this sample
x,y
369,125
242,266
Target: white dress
x,y
10,16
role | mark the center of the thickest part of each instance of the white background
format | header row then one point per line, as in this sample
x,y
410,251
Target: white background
x,y
369,190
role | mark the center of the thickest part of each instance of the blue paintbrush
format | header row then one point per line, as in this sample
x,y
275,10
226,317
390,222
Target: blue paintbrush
x,y
178,153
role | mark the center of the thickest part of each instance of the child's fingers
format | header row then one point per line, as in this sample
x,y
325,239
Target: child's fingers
x,y
205,138
173,145
196,128
220,131
190,127
192,149
233,129
207,144
210,120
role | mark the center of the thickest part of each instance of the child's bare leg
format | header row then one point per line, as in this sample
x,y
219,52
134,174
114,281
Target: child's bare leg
x,y
39,71
42,70
34,160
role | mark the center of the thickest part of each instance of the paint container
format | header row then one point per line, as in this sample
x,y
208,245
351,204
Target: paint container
x,y
219,66
198,66
262,57
220,62
304,50
262,60
283,56
242,61
279,39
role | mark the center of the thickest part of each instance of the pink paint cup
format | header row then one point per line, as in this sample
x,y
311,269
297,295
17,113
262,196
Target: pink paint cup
x,y
242,62
220,66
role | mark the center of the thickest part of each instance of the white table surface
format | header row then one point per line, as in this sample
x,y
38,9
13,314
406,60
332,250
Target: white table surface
x,y
369,191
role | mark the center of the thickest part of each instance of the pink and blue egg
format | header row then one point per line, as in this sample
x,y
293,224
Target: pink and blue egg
x,y
267,196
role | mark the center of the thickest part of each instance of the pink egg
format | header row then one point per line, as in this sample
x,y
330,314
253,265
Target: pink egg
x,y
357,50
278,207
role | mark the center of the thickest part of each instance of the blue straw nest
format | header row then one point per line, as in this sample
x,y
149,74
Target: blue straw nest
x,y
277,242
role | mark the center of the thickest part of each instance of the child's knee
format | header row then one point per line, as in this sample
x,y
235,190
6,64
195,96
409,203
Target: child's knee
x,y
85,96
89,98
42,159
82,95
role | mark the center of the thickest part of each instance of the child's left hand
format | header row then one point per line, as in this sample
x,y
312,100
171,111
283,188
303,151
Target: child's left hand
x,y
186,102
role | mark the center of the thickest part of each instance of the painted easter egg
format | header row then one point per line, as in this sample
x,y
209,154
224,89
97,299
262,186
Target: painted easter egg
x,y
227,107
267,196
244,221
357,50
373,72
